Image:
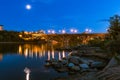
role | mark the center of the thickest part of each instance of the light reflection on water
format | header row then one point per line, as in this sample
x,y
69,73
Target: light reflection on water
x,y
27,71
37,51
15,57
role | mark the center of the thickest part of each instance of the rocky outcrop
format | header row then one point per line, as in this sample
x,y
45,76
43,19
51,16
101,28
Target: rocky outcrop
x,y
111,71
74,64
83,63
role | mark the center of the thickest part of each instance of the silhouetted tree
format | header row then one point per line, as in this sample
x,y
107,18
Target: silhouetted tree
x,y
114,28
113,44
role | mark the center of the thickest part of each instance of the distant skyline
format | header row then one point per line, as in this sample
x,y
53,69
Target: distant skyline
x,y
33,15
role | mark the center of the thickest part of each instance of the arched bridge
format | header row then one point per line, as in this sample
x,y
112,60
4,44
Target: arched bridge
x,y
73,38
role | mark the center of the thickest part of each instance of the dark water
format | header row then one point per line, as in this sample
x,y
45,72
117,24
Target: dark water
x,y
14,58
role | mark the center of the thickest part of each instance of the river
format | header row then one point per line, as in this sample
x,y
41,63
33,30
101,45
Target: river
x,y
15,58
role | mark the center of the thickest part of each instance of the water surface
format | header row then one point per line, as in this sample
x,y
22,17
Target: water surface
x,y
14,58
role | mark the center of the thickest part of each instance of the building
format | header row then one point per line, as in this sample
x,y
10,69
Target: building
x,y
1,27
1,56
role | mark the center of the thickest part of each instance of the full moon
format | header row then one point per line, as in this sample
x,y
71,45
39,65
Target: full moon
x,y
28,7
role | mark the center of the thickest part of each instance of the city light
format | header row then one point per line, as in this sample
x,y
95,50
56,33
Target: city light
x,y
51,31
73,30
88,30
63,31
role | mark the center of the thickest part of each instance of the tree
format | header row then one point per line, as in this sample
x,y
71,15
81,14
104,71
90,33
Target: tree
x,y
114,28
113,44
113,41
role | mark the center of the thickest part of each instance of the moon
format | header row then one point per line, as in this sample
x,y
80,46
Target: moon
x,y
28,6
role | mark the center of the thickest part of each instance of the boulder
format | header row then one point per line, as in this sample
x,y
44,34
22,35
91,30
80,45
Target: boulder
x,y
53,60
47,64
83,61
62,69
57,65
54,63
74,60
96,64
75,68
70,65
64,62
84,66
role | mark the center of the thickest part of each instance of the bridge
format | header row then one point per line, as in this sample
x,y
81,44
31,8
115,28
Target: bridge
x,y
65,39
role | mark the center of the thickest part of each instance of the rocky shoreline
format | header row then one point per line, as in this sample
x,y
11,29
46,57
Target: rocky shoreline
x,y
83,63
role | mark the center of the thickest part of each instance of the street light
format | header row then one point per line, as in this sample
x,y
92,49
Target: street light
x,y
73,30
49,31
53,32
88,30
63,31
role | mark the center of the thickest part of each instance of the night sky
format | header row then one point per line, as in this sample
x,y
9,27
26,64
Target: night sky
x,y
57,14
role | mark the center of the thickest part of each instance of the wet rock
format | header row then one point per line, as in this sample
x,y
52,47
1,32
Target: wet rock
x,y
47,64
54,63
48,61
96,64
63,69
70,65
53,60
71,72
74,60
58,65
75,68
64,62
84,66
83,61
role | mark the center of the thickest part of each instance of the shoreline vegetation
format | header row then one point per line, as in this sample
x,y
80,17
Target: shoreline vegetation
x,y
14,37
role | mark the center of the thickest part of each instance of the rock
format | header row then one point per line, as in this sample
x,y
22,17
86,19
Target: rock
x,y
54,63
64,62
47,64
63,69
71,72
48,61
58,65
84,61
75,68
113,62
84,66
53,60
74,60
96,64
70,65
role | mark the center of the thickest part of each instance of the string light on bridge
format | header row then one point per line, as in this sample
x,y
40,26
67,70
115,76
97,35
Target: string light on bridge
x,y
51,31
63,31
88,30
73,30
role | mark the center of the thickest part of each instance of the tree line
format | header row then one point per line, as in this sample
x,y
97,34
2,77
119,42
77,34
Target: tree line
x,y
10,36
112,41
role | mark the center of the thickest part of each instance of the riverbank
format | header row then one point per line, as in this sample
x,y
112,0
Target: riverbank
x,y
83,63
